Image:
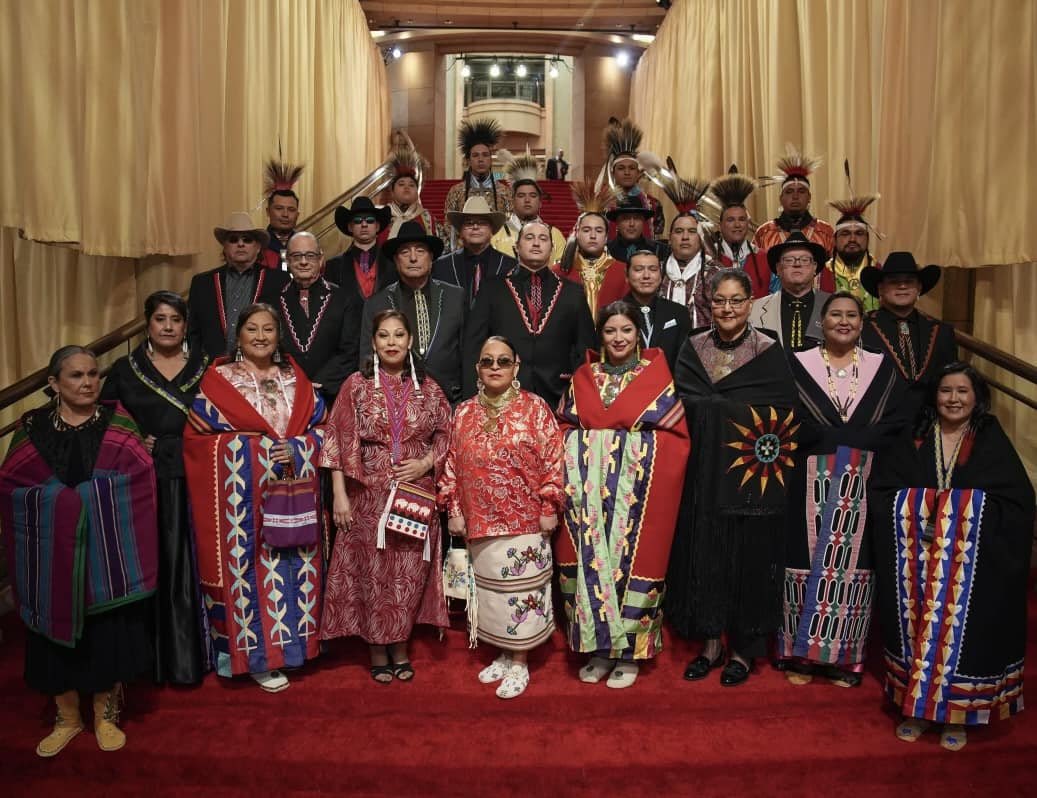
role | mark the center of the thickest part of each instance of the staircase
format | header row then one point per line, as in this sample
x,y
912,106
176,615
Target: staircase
x,y
558,207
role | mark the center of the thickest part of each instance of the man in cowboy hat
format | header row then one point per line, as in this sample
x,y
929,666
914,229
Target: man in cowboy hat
x,y
218,296
320,322
629,216
361,269
545,318
920,346
475,261
793,311
476,140
436,311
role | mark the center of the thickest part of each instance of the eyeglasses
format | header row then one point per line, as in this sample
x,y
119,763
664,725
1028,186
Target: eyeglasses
x,y
299,257
474,223
503,362
796,260
241,239
735,302
363,220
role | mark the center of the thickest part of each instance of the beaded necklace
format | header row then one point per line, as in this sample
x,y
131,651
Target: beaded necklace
x,y
396,410
842,406
945,471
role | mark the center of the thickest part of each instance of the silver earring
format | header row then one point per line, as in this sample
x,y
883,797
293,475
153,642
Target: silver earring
x,y
185,348
413,373
377,379
149,347
276,357
238,357
479,383
516,384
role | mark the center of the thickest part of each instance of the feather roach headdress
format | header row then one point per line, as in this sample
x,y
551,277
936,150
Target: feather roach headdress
x,y
521,169
590,198
405,161
851,210
684,194
280,176
479,131
730,191
622,140
796,167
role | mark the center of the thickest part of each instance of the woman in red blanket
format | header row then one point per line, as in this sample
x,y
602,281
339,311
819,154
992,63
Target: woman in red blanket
x,y
254,422
77,504
390,425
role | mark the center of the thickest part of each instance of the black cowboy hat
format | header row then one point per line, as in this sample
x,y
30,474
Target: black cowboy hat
x,y
629,204
412,232
797,240
899,263
362,206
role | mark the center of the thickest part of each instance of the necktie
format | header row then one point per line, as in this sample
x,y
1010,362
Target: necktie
x,y
365,262
304,301
646,333
424,328
476,279
536,299
907,349
796,330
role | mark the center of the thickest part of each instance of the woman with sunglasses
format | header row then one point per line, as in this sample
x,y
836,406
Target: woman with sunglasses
x,y
725,567
502,490
626,447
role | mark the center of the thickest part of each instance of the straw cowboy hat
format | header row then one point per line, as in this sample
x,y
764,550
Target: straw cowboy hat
x,y
241,222
476,206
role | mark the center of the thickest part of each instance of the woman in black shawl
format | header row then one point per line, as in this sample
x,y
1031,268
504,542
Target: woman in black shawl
x,y
953,510
726,562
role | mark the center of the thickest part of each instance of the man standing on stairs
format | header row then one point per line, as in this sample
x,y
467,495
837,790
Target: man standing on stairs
x,y
585,260
282,210
545,319
622,143
361,270
629,217
406,165
476,140
526,199
475,261
557,167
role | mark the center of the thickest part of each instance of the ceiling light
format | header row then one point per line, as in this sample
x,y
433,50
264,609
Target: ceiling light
x,y
466,71
553,71
494,70
397,52
520,70
644,38
623,58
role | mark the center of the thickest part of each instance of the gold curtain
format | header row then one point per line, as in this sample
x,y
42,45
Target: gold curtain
x,y
133,127
934,103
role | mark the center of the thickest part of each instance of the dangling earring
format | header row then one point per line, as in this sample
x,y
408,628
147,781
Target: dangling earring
x,y
184,348
238,357
602,354
149,347
516,384
413,373
276,357
479,384
377,379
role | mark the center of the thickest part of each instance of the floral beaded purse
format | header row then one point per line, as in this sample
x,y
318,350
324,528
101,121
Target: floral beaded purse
x,y
408,511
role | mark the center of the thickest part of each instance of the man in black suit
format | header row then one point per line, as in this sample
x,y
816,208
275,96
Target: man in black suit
x,y
544,318
919,345
218,296
362,270
475,261
629,216
436,311
320,323
666,323
557,167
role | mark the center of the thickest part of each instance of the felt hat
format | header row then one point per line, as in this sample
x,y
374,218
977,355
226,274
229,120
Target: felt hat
x,y
412,232
362,206
899,263
241,222
476,206
797,240
629,203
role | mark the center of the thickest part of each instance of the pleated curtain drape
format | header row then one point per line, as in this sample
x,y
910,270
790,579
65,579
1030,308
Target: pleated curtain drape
x,y
133,127
933,102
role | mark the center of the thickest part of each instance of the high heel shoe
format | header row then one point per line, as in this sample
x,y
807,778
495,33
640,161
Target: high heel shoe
x,y
700,667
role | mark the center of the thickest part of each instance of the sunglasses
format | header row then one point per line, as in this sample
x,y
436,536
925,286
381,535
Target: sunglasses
x,y
363,220
242,239
503,362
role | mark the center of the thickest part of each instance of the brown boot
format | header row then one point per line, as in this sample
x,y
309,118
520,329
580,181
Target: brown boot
x,y
67,725
106,719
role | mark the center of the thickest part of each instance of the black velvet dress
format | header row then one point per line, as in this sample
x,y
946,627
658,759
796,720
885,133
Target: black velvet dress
x,y
159,406
116,645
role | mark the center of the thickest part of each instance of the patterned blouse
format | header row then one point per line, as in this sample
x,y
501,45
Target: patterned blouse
x,y
719,361
502,480
272,396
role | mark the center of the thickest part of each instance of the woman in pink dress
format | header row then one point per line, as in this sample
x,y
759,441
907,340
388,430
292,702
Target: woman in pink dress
x,y
390,424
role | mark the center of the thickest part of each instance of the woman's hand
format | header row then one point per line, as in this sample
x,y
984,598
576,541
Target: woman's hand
x,y
149,444
548,524
281,453
456,526
412,470
341,510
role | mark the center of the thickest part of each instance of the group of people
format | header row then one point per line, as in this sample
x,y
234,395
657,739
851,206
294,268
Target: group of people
x,y
704,430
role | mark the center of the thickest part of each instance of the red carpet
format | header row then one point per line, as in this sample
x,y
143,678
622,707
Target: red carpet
x,y
558,206
335,732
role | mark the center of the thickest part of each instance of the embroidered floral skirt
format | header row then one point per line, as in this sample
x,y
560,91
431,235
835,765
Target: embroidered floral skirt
x,y
513,590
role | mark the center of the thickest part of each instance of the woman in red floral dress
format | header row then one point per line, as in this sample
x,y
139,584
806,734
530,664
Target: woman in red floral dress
x,y
502,488
390,423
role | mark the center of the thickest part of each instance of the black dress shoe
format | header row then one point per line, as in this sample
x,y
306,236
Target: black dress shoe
x,y
734,673
700,667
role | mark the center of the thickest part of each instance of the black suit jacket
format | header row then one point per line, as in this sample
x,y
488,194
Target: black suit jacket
x,y
552,353
206,326
671,324
328,354
450,268
341,271
447,315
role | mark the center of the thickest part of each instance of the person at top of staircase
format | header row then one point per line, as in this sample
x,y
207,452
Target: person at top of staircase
x,y
476,141
526,199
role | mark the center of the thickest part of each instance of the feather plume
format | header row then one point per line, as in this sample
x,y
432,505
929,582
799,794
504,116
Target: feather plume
x,y
796,164
405,161
622,138
280,176
591,198
519,167
478,131
732,189
684,194
854,206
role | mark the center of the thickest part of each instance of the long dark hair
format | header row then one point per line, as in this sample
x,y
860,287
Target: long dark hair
x,y
980,413
618,308
367,367
249,312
